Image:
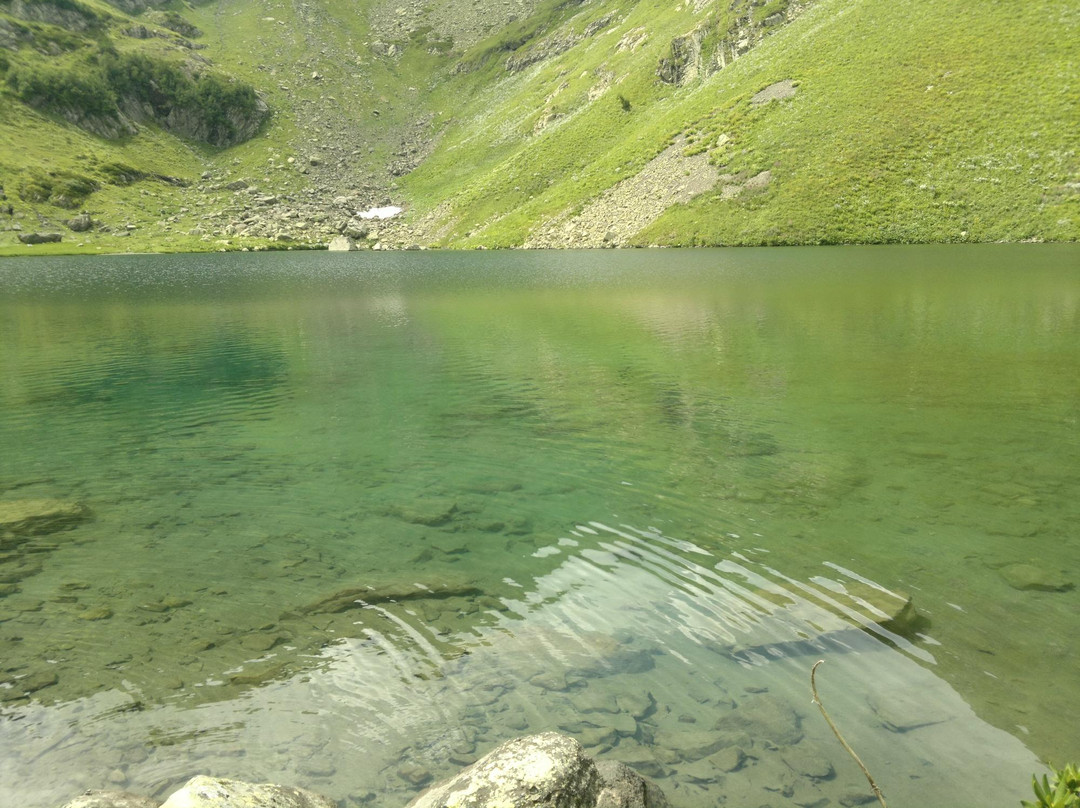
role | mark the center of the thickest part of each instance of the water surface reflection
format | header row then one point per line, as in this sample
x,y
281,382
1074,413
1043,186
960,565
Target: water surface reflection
x,y
400,508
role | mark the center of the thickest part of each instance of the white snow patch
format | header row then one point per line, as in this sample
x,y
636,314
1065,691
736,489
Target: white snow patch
x,y
388,212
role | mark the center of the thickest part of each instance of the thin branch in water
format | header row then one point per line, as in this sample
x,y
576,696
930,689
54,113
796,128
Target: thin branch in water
x,y
839,737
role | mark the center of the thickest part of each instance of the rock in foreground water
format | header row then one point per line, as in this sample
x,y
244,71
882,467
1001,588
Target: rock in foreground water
x,y
212,792
548,770
111,799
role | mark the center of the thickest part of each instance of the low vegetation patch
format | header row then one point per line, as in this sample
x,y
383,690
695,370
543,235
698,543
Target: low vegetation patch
x,y
113,86
64,189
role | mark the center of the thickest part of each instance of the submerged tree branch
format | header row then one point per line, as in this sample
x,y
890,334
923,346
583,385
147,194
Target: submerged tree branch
x,y
839,737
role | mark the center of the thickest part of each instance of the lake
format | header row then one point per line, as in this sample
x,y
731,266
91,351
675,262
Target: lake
x,y
349,520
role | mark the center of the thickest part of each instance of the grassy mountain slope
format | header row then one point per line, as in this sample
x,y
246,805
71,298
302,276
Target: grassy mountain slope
x,y
910,122
505,124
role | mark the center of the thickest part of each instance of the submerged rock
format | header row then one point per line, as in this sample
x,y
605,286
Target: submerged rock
x,y
212,792
358,596
690,746
1028,577
766,718
429,513
549,770
38,517
903,711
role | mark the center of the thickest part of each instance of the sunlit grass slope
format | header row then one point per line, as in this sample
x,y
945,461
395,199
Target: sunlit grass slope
x,y
913,121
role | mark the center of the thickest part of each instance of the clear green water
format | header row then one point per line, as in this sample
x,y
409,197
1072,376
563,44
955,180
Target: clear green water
x,y
628,495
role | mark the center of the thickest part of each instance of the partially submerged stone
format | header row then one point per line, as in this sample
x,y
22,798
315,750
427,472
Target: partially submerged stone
x,y
213,792
622,787
548,770
111,799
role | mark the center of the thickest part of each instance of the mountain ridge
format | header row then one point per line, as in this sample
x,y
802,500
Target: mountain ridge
x,y
540,123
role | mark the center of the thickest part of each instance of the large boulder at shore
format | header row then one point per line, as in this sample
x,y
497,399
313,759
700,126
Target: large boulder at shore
x,y
213,792
341,244
548,770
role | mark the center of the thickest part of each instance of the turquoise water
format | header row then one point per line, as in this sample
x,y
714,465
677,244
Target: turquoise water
x,y
352,520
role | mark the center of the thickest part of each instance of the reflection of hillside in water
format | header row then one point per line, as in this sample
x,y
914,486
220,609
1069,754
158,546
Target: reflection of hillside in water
x,y
916,424
691,666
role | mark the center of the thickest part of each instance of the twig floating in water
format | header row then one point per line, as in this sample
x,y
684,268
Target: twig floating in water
x,y
839,737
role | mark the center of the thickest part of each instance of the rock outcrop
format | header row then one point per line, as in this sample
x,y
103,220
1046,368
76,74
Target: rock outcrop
x,y
549,770
719,41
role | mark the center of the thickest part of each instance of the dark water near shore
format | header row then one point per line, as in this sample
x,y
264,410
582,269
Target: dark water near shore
x,y
354,519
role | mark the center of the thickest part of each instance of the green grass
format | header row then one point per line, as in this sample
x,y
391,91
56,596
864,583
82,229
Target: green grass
x,y
913,122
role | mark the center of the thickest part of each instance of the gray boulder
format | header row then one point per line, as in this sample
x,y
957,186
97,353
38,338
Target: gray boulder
x,y
548,770
39,238
622,787
212,792
80,223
